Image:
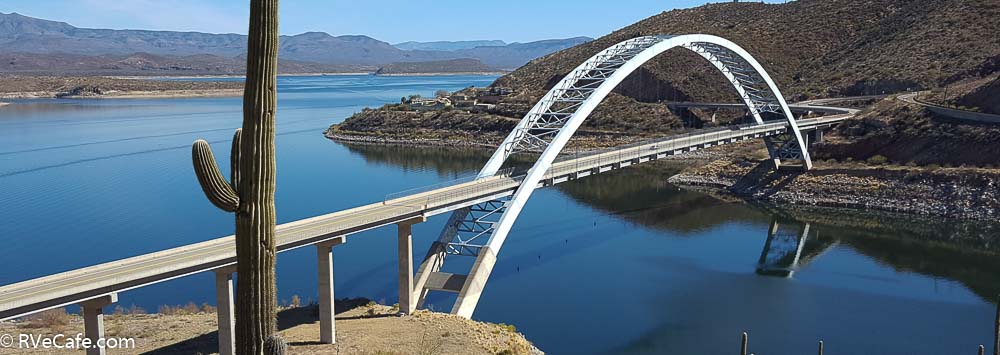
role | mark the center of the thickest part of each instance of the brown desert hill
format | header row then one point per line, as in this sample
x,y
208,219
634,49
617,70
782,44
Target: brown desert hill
x,y
813,48
985,97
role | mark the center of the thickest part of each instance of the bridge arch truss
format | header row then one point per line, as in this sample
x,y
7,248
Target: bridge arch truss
x,y
481,230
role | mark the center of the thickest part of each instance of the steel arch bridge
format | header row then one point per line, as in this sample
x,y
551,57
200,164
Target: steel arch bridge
x,y
480,230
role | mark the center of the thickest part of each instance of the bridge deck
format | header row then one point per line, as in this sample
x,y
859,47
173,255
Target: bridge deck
x,y
82,284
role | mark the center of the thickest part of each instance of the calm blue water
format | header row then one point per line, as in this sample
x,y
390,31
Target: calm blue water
x,y
619,263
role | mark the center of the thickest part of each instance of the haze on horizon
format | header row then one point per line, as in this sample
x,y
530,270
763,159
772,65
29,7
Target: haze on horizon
x,y
392,21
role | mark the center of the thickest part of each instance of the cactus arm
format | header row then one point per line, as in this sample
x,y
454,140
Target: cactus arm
x,y
212,182
234,159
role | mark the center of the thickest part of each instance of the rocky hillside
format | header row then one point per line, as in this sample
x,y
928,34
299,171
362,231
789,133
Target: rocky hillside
x,y
905,134
986,97
813,48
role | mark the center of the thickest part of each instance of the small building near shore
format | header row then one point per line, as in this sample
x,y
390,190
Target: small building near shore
x,y
421,104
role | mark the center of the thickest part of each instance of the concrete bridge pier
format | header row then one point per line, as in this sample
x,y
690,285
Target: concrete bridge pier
x,y
327,311
404,237
225,309
817,136
93,320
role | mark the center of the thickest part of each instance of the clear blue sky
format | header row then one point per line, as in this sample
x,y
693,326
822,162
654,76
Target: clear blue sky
x,y
388,20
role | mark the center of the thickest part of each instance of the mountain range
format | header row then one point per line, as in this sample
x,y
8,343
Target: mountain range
x,y
28,35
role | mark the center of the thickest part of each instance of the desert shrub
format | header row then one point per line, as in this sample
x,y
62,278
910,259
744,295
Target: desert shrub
x,y
55,320
296,302
371,308
878,160
167,310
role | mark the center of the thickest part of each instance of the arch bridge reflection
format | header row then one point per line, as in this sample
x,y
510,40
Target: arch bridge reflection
x,y
790,245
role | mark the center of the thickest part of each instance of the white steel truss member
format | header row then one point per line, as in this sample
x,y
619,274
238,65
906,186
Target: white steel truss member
x,y
481,230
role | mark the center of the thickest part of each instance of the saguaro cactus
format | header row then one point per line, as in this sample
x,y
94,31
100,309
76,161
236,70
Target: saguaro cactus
x,y
250,193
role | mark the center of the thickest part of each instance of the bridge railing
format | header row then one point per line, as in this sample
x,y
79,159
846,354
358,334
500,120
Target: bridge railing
x,y
455,191
578,162
464,188
402,195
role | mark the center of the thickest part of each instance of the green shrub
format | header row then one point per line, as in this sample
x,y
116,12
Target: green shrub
x,y
878,160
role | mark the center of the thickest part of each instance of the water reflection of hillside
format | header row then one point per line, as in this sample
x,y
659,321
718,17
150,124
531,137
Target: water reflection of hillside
x,y
946,249
959,250
962,251
445,161
640,194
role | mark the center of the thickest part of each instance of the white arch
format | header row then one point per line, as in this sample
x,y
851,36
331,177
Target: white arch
x,y
556,117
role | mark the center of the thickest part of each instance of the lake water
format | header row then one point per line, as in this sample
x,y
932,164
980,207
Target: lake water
x,y
615,263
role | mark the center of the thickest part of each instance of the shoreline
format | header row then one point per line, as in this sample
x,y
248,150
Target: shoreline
x,y
445,74
953,193
582,143
144,94
412,142
225,76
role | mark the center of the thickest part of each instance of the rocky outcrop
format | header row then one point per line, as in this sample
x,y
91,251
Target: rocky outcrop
x,y
954,193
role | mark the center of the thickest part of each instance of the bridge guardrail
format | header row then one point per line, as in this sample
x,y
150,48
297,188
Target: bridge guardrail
x,y
457,181
573,163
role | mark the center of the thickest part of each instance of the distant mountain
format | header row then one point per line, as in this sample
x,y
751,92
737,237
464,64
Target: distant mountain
x,y
438,67
515,55
447,46
20,33
23,34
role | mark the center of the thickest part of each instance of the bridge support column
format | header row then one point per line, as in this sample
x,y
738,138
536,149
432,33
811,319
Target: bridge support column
x,y
817,136
468,298
225,310
404,247
327,311
93,320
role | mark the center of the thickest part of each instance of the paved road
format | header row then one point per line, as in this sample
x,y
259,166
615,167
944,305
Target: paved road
x,y
820,106
913,98
82,284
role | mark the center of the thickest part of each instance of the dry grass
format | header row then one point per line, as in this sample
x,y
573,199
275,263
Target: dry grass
x,y
363,328
54,320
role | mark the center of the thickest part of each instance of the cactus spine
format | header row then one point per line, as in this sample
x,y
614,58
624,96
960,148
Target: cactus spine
x,y
250,191
274,345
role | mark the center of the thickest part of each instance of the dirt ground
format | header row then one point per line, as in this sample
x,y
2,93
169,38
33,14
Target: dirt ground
x,y
362,328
